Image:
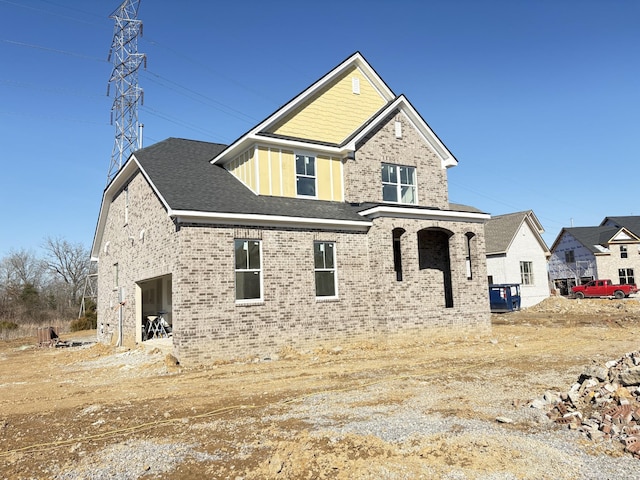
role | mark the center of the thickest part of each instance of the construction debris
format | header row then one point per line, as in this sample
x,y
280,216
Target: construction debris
x,y
47,337
604,403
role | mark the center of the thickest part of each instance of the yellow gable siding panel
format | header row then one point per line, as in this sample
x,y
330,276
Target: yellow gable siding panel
x,y
264,171
336,180
329,178
276,172
243,168
288,174
273,170
323,172
336,112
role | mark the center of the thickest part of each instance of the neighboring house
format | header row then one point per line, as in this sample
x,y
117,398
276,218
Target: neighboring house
x,y
608,251
517,253
328,220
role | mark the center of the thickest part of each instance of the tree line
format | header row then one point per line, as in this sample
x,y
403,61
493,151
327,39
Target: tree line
x,y
40,289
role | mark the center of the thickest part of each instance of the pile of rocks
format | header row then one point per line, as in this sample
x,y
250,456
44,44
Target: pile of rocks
x,y
603,404
588,306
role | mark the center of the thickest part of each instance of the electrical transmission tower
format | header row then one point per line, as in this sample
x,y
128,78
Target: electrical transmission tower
x,y
124,77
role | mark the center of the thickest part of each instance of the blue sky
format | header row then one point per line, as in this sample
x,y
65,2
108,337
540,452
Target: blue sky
x,y
539,100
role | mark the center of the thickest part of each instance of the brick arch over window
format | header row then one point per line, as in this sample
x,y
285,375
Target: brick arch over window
x,y
433,255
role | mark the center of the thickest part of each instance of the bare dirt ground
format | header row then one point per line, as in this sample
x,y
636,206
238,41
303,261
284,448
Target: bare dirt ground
x,y
423,406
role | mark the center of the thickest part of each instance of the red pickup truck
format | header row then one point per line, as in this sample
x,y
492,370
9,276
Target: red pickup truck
x,y
603,288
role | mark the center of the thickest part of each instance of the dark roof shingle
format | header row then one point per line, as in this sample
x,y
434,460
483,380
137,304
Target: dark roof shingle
x,y
500,230
183,176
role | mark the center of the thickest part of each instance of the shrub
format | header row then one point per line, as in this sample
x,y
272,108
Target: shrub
x,y
6,325
88,322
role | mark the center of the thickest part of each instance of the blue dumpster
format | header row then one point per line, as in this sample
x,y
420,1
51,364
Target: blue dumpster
x,y
504,297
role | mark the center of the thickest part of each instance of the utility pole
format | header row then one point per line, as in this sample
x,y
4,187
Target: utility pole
x,y
124,77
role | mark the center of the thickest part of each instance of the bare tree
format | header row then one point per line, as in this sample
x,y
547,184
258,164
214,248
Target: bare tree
x,y
21,268
21,276
69,262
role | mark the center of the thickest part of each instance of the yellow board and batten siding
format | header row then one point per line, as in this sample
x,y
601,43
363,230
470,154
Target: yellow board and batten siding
x,y
264,172
329,174
243,168
331,116
272,171
335,112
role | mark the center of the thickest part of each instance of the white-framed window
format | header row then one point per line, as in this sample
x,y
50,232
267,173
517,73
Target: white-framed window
x,y
626,276
623,251
398,184
324,258
305,175
248,254
526,273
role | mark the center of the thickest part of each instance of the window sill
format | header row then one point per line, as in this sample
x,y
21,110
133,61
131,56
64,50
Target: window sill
x,y
327,299
249,303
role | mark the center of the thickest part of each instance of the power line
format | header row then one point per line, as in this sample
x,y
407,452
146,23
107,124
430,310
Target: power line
x,y
212,71
47,12
174,120
50,118
52,50
502,202
58,91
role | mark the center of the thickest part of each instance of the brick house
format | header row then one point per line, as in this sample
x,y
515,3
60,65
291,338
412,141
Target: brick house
x,y
328,220
608,251
517,253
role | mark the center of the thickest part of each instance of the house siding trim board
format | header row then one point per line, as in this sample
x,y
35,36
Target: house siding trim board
x,y
264,220
423,213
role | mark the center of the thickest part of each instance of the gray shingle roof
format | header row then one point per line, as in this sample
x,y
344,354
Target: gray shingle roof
x,y
500,230
459,207
181,172
592,236
183,176
631,223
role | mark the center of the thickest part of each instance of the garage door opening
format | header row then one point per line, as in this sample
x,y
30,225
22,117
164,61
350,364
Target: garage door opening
x,y
155,320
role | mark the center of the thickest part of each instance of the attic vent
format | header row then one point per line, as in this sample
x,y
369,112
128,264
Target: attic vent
x,y
355,85
398,130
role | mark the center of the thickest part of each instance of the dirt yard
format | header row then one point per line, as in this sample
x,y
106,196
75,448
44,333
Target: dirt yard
x,y
428,406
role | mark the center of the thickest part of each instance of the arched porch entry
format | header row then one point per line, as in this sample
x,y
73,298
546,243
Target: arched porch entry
x,y
433,255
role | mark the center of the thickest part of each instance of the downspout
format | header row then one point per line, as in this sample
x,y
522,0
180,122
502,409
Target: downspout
x,y
119,342
120,318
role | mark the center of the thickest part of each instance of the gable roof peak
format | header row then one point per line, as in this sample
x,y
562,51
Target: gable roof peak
x,y
356,59
500,231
